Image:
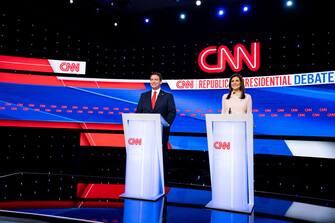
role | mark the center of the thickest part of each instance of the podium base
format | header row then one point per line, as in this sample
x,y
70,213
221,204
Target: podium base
x,y
246,210
151,198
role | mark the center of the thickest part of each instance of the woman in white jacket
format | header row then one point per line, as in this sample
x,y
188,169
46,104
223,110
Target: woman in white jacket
x,y
236,101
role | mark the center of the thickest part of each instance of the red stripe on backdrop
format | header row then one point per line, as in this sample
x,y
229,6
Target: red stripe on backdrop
x,y
104,84
122,85
80,83
102,139
29,79
57,204
58,81
103,126
64,125
80,189
37,204
111,191
101,204
24,63
102,191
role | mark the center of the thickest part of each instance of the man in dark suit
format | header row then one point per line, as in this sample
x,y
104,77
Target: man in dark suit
x,y
159,101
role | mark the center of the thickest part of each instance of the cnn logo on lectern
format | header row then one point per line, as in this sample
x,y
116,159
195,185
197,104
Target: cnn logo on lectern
x,y
222,145
135,141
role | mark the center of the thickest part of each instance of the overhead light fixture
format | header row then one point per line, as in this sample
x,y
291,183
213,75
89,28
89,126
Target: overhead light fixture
x,y
182,16
220,12
146,20
289,3
245,9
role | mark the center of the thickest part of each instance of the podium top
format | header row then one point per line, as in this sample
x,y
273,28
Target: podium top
x,y
229,117
146,116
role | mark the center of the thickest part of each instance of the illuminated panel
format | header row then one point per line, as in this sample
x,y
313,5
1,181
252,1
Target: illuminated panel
x,y
58,204
42,65
86,191
299,105
62,125
106,191
252,60
102,139
37,204
70,82
23,63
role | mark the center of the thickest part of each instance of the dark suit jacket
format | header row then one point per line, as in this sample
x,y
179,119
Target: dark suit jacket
x,y
164,105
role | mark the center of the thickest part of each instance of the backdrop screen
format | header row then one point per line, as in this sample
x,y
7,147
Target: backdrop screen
x,y
307,109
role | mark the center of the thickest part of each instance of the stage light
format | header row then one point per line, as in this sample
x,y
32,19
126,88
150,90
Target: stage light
x,y
289,3
146,20
220,12
182,16
198,3
245,9
71,1
115,24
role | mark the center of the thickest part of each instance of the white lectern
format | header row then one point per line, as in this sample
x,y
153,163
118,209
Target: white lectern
x,y
230,150
144,163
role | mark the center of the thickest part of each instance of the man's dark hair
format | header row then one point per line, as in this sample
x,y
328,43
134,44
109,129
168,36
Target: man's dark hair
x,y
158,74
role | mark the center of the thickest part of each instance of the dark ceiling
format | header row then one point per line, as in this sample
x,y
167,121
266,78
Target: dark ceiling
x,y
95,19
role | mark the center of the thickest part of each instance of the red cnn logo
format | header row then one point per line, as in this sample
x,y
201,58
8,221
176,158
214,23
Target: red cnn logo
x,y
135,141
222,145
252,59
65,66
185,84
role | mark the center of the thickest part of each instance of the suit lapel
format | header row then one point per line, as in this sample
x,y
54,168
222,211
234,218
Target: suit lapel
x,y
149,100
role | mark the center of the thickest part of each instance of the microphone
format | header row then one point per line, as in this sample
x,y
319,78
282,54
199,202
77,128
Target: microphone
x,y
229,111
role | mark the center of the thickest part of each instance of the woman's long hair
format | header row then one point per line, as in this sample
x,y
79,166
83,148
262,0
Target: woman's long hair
x,y
242,88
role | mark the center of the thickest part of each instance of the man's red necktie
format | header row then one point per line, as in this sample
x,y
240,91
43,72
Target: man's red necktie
x,y
153,100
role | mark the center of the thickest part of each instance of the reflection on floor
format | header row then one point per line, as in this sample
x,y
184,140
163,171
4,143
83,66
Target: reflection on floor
x,y
179,205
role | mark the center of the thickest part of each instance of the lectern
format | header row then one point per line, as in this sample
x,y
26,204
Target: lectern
x,y
230,150
144,162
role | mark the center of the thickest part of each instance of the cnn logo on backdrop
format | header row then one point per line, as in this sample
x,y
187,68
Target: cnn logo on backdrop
x,y
66,66
135,141
221,145
72,67
235,60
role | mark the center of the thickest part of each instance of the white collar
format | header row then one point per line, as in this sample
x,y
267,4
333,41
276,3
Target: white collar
x,y
152,91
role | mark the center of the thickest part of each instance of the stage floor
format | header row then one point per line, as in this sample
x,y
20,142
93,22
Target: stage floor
x,y
179,205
